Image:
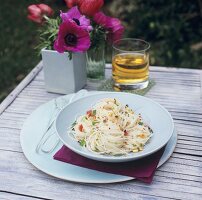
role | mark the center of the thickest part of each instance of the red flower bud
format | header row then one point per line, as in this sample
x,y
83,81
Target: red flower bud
x,y
37,11
71,3
34,13
45,9
86,7
90,7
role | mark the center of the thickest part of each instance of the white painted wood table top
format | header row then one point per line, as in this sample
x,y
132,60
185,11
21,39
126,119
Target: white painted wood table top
x,y
179,90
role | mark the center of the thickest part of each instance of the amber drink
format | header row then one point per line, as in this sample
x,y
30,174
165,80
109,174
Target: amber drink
x,y
130,64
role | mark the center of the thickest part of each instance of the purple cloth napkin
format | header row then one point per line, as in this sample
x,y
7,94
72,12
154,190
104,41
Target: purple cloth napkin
x,y
142,169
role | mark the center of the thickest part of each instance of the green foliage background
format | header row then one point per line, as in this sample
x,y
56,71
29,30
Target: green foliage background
x,y
174,29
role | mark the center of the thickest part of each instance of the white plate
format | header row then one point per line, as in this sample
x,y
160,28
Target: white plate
x,y
33,130
156,116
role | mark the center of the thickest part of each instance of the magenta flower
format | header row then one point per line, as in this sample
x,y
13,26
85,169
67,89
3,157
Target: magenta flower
x,y
71,37
112,25
74,15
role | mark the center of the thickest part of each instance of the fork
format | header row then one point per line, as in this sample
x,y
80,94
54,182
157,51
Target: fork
x,y
59,105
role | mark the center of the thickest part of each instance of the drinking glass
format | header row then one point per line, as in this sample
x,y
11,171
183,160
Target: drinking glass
x,y
130,64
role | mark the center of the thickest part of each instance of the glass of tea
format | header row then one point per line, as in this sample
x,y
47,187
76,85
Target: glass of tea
x,y
130,64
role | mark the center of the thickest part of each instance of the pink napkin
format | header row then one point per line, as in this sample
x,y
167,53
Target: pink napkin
x,y
142,169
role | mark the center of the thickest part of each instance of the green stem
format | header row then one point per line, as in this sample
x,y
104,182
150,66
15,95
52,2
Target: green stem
x,y
46,17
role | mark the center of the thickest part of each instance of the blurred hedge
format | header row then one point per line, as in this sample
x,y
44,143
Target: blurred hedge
x,y
174,28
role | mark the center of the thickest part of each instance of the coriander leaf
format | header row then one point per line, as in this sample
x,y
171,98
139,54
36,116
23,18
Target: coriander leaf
x,y
150,130
140,123
82,142
73,124
94,112
94,122
83,119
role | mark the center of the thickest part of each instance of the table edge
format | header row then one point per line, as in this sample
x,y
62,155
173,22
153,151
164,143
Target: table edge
x,y
11,97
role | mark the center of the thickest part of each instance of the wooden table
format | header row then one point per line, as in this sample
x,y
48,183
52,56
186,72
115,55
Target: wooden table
x,y
179,90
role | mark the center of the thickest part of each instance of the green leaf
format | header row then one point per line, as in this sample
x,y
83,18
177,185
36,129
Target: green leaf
x,y
73,124
84,119
94,122
140,123
150,130
70,55
47,34
98,37
82,142
94,112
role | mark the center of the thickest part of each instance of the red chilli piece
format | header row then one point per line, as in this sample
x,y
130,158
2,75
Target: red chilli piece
x,y
125,133
89,113
81,127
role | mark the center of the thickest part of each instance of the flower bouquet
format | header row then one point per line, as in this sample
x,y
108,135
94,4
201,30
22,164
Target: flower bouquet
x,y
81,33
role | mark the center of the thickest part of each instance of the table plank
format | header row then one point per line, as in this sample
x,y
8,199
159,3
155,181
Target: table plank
x,y
9,196
179,90
9,99
33,180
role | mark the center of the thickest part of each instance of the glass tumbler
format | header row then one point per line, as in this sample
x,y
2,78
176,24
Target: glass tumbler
x,y
130,64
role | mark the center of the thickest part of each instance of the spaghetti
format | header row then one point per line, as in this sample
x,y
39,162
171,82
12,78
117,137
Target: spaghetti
x,y
111,128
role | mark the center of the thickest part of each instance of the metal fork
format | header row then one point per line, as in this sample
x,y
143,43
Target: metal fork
x,y
59,105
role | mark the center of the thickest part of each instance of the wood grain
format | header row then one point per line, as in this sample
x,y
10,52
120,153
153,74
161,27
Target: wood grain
x,y
9,99
34,180
10,196
179,90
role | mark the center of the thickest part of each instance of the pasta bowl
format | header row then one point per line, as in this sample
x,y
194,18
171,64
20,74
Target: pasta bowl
x,y
156,116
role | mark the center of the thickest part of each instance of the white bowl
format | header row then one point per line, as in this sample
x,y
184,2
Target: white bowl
x,y
156,116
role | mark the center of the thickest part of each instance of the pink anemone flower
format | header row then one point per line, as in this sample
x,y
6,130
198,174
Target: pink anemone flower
x,y
112,25
74,15
71,37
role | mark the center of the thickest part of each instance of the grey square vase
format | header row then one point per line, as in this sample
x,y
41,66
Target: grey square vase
x,y
61,74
